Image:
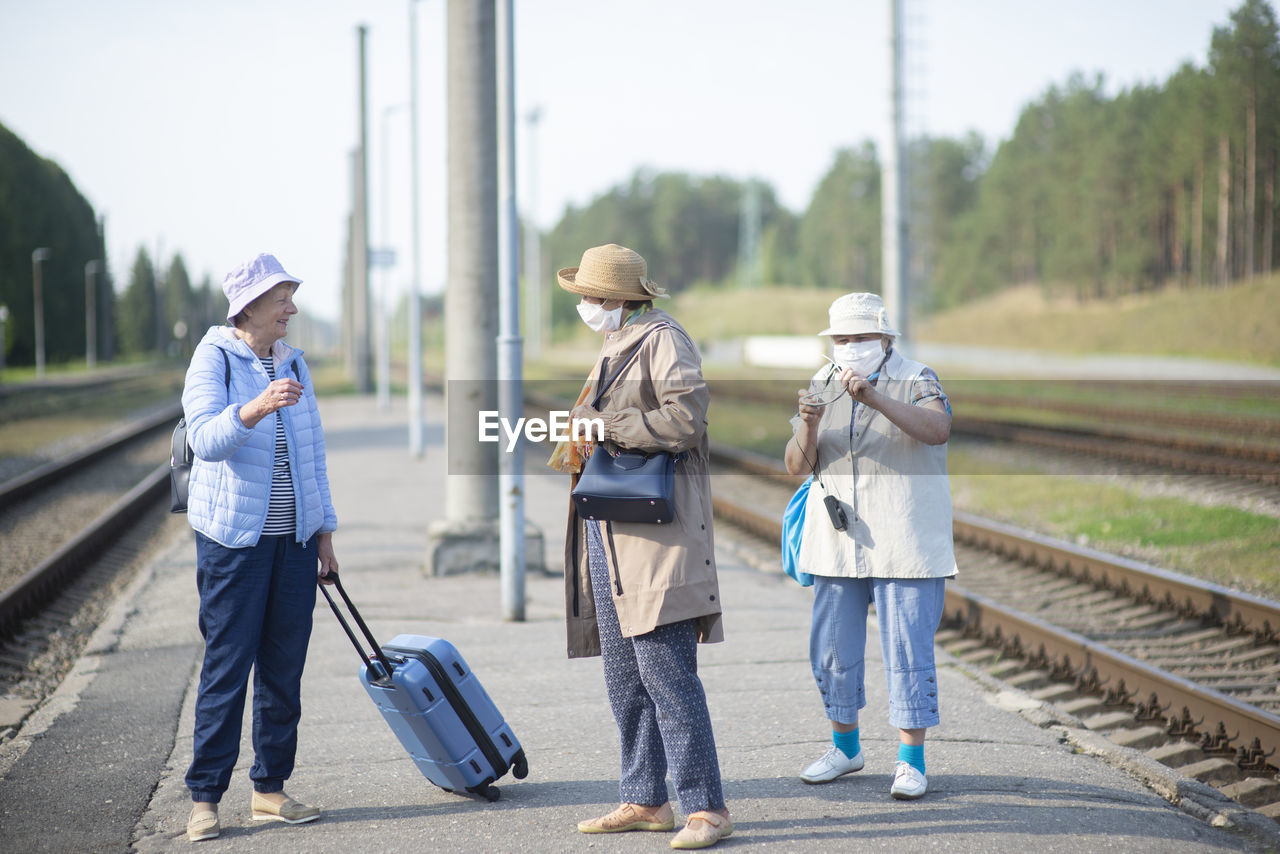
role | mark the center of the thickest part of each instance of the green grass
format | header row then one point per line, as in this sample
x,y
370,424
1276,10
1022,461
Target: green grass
x,y
1239,322
1220,544
756,427
709,313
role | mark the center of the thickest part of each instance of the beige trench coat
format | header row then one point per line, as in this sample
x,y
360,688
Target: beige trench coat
x,y
664,573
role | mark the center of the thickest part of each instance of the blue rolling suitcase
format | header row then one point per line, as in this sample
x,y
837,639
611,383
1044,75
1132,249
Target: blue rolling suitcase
x,y
436,707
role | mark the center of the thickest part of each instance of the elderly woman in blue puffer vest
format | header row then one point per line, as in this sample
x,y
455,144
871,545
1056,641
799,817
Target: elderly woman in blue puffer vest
x,y
263,518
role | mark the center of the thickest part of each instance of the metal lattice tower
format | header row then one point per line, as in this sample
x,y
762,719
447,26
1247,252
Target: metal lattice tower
x,y
750,272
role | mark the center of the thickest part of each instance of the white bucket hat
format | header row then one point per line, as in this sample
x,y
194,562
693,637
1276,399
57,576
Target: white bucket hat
x,y
858,314
251,280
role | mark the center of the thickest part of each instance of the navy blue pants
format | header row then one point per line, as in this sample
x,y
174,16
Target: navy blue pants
x,y
255,614
657,701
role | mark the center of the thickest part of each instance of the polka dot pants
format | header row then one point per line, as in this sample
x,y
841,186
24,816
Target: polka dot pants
x,y
657,701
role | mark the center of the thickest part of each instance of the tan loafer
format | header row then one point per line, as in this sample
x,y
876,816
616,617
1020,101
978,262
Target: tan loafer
x,y
631,817
290,812
203,823
702,830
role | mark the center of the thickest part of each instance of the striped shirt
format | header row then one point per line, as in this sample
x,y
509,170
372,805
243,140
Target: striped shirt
x,y
281,519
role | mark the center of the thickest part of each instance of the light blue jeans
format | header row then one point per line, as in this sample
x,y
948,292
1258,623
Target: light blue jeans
x,y
908,611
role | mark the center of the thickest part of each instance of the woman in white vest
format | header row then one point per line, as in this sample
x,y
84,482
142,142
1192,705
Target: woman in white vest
x,y
872,427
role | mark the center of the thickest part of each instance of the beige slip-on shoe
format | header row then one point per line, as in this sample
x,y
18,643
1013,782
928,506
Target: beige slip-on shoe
x,y
290,812
631,817
203,823
702,830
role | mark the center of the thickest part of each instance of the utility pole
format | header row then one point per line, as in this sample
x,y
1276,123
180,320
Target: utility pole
x,y
893,223
38,257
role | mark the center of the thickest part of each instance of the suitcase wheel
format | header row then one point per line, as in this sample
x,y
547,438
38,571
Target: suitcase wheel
x,y
519,766
491,793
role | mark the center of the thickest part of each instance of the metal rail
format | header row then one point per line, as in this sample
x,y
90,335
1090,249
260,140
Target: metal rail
x,y
1257,463
16,489
46,580
1171,697
1236,611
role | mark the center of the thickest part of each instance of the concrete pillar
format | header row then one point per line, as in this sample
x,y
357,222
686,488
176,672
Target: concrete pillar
x,y
467,538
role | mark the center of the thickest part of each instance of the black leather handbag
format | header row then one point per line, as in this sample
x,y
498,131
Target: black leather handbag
x,y
627,486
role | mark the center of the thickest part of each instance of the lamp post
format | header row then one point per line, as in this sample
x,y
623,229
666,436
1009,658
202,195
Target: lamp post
x,y
39,255
510,385
90,315
4,317
415,284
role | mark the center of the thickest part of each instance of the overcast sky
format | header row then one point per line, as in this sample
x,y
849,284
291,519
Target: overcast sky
x,y
222,129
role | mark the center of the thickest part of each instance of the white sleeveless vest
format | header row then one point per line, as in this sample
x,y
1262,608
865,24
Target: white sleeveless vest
x,y
893,488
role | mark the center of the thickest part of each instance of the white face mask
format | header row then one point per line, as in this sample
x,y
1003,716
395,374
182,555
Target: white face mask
x,y
862,357
594,315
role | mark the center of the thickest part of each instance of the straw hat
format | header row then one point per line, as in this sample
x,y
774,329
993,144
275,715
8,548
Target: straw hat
x,y
610,272
858,314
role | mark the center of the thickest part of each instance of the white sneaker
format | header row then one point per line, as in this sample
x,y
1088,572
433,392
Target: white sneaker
x,y
908,783
833,764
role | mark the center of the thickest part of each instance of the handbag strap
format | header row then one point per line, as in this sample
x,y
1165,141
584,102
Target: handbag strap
x,y
595,404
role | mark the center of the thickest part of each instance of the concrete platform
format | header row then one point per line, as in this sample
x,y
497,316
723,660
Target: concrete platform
x,y
100,766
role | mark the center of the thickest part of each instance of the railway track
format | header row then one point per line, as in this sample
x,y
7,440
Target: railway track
x,y
60,394
1236,447
1251,462
1209,423
1185,670
71,528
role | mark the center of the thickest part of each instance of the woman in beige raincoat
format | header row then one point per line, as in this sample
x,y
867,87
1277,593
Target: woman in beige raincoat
x,y
643,595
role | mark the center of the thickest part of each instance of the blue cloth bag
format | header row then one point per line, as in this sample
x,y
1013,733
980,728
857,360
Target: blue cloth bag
x,y
792,527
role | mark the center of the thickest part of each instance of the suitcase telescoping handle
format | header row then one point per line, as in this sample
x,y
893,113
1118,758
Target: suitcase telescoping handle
x,y
377,650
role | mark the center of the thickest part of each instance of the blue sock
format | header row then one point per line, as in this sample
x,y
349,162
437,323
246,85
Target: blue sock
x,y
912,754
848,742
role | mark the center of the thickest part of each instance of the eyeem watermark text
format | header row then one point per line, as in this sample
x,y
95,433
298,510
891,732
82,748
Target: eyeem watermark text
x,y
491,424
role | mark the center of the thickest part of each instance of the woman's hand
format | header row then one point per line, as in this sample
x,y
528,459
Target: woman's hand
x,y
802,447
328,562
811,415
579,425
276,396
860,388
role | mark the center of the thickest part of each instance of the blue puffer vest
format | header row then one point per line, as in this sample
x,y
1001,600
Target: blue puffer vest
x,y
230,483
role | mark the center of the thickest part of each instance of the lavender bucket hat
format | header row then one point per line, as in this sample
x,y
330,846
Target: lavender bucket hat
x,y
251,280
